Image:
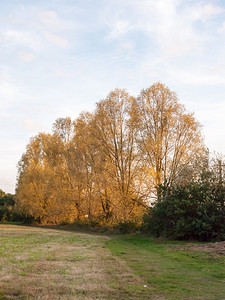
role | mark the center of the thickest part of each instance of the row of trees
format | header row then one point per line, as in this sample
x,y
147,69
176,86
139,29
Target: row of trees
x,y
107,165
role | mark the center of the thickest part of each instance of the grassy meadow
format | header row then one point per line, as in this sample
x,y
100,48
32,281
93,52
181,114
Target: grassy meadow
x,y
62,263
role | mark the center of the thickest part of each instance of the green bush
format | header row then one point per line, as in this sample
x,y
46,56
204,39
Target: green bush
x,y
5,214
194,211
7,200
7,209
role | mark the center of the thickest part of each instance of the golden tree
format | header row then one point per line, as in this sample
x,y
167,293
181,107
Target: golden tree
x,y
42,190
113,128
169,137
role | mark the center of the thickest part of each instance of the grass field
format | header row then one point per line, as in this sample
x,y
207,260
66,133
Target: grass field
x,y
40,263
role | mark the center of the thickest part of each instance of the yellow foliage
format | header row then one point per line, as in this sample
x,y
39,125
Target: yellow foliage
x,y
107,165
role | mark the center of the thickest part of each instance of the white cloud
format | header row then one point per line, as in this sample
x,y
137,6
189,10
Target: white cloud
x,y
172,23
51,20
172,28
22,38
126,45
57,40
207,11
26,56
120,28
162,21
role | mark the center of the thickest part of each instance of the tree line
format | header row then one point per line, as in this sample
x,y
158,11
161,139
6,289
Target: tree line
x,y
106,166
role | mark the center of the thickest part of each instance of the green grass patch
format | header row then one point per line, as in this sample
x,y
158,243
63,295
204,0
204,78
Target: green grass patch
x,y
170,271
11,223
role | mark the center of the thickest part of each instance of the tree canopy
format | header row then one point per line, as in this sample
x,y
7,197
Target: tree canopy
x,y
107,165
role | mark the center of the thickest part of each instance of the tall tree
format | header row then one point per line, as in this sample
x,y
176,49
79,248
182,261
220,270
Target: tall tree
x,y
114,127
42,190
169,137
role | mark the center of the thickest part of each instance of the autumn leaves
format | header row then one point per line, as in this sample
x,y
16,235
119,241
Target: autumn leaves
x,y
106,165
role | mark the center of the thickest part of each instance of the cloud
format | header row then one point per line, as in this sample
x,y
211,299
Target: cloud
x,y
120,28
158,20
172,27
22,38
26,56
57,40
51,20
207,11
170,23
127,45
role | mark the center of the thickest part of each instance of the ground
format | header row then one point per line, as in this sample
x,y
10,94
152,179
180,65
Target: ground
x,y
60,263
217,248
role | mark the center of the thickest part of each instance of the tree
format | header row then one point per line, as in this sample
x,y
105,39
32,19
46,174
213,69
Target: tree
x,y
82,161
113,128
63,127
42,189
169,137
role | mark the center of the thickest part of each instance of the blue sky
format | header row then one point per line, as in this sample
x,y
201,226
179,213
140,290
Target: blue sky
x,y
58,57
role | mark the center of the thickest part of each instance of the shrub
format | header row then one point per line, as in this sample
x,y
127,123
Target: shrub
x,y
7,209
7,200
5,214
194,211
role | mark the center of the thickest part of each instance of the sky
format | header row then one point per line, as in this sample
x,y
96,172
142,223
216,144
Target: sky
x,y
59,57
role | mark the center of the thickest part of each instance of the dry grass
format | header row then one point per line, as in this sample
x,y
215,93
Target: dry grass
x,y
48,264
